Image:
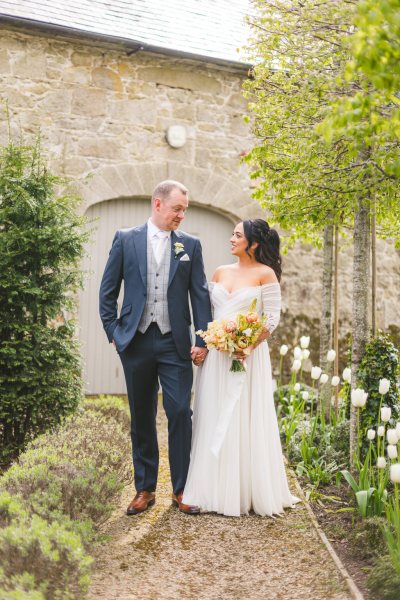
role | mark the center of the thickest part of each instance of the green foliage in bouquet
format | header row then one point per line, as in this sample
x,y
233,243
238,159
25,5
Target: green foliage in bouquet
x,y
41,244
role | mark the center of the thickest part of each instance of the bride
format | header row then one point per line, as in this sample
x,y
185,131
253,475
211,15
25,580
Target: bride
x,y
236,458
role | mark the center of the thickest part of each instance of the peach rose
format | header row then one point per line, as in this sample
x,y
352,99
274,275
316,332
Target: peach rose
x,y
252,317
230,327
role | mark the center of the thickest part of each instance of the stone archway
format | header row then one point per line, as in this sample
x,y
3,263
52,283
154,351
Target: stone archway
x,y
205,187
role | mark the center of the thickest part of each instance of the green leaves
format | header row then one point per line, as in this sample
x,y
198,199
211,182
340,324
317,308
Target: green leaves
x,y
324,136
41,243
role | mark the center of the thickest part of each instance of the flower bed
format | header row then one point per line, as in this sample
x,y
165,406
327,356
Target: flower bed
x,y
358,506
54,499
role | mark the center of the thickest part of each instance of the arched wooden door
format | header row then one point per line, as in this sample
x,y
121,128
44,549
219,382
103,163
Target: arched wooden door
x,y
103,372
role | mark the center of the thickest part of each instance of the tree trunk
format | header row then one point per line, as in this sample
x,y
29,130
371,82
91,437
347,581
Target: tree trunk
x,y
336,316
373,273
361,292
325,342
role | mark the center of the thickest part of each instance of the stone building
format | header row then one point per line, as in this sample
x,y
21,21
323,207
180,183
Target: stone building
x,y
127,94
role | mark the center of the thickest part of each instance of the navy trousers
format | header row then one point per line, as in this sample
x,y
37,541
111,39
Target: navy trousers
x,y
151,358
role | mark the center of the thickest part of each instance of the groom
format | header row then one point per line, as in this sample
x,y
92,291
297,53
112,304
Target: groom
x,y
160,267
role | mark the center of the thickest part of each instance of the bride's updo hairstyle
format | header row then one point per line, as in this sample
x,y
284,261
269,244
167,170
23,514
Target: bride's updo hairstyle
x,y
267,251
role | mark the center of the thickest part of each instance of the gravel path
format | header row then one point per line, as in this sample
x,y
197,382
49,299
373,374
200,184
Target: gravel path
x,y
164,554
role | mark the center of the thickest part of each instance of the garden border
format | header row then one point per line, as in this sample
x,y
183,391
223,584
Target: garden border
x,y
355,592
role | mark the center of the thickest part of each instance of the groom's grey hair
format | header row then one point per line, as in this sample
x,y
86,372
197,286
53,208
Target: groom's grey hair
x,y
164,189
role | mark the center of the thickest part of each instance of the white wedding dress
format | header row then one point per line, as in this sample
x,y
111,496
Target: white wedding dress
x,y
236,460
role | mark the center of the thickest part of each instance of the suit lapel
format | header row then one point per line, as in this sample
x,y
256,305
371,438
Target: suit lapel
x,y
140,242
173,266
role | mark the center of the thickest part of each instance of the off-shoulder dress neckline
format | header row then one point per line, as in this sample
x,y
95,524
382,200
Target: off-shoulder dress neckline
x,y
245,287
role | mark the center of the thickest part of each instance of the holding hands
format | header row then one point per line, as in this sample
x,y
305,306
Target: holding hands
x,y
198,355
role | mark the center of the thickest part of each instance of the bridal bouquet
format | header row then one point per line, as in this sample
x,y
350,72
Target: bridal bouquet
x,y
234,335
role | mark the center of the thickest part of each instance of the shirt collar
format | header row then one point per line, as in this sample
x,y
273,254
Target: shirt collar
x,y
153,229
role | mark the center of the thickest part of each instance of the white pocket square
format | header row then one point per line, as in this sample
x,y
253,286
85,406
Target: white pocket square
x,y
184,257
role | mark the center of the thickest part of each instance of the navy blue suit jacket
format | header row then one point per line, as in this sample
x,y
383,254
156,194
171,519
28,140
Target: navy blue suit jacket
x,y
128,262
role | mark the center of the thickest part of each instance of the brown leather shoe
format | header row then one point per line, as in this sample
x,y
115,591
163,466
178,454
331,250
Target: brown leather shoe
x,y
141,502
185,508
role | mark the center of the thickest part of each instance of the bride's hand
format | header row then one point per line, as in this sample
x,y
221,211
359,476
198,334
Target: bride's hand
x,y
241,355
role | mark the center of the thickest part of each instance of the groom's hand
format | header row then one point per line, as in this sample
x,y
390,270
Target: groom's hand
x,y
198,355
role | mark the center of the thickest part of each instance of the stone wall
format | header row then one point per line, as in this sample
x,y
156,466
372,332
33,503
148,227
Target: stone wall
x,y
103,114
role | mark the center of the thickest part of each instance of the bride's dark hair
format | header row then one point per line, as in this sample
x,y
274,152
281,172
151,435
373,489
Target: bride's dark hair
x,y
267,251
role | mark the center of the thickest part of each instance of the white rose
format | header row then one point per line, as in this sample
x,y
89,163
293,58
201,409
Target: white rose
x,y
398,430
392,451
384,386
395,473
335,380
297,353
305,395
391,436
381,462
305,354
296,366
284,350
324,378
316,372
386,412
347,375
247,332
381,430
330,357
371,434
305,341
358,397
296,387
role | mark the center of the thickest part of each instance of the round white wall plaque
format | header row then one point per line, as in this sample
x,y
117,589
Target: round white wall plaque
x,y
176,136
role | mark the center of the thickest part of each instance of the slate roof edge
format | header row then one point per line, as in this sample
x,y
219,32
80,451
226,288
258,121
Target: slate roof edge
x,y
134,45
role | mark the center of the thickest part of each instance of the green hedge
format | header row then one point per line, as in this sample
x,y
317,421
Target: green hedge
x,y
42,240
53,501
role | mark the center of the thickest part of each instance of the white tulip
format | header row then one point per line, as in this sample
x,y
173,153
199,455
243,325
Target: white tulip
x,y
296,366
347,375
371,434
306,354
316,372
395,473
330,357
324,378
392,451
381,430
305,395
386,412
305,341
384,386
284,350
391,436
297,353
381,462
358,397
335,381
398,430
296,387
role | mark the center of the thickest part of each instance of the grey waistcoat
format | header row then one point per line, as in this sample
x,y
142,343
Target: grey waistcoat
x,y
156,308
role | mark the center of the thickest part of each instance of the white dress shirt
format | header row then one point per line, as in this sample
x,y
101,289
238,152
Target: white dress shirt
x,y
158,239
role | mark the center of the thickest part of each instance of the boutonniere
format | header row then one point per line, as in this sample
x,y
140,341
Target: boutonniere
x,y
178,248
